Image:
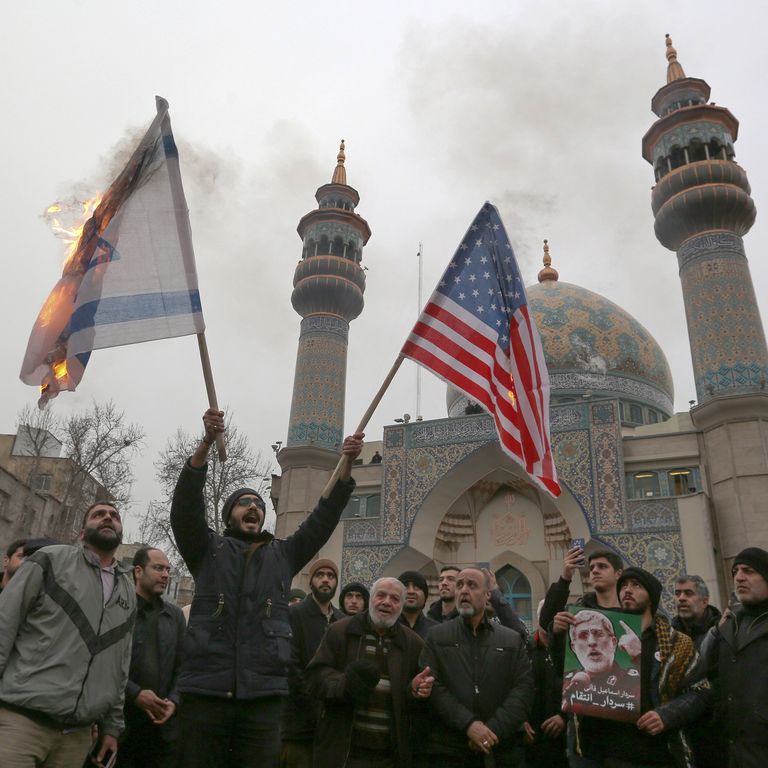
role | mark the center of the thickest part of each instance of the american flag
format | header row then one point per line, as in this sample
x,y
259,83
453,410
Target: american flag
x,y
477,334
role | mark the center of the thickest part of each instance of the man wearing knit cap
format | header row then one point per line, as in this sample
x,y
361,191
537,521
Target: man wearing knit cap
x,y
353,598
416,591
674,691
237,647
737,652
309,621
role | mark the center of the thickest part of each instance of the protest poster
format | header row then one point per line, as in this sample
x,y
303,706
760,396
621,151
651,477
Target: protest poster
x,y
601,677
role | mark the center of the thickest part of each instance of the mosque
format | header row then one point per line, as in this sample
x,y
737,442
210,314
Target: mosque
x,y
671,492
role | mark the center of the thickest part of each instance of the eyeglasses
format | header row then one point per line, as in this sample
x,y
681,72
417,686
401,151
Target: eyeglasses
x,y
161,568
246,501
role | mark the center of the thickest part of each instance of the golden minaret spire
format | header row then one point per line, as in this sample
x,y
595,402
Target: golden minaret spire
x,y
340,172
674,68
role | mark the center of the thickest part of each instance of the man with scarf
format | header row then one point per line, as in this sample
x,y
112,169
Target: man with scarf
x,y
674,691
237,648
736,653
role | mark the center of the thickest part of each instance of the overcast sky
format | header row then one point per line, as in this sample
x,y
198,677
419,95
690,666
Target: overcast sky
x,y
539,107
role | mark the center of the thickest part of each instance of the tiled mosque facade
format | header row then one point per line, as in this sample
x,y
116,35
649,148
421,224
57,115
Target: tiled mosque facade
x,y
670,492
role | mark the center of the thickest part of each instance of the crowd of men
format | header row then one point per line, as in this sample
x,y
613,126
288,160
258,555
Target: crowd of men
x,y
96,668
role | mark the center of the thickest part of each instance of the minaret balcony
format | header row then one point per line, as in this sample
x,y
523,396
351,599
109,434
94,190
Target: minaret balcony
x,y
702,196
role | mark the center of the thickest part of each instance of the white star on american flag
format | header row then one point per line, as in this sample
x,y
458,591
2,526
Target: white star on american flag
x,y
462,296
475,293
467,261
472,278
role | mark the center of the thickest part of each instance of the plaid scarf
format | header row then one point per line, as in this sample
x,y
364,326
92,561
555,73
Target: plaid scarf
x,y
677,656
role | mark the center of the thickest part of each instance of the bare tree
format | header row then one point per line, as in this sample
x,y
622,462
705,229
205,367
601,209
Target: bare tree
x,y
101,444
243,467
98,445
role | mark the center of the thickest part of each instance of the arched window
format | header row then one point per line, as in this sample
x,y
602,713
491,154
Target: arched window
x,y
515,587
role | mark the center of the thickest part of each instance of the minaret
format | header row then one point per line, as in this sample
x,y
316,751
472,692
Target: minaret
x,y
702,206
328,287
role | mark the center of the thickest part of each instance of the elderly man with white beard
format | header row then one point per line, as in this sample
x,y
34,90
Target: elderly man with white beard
x,y
366,674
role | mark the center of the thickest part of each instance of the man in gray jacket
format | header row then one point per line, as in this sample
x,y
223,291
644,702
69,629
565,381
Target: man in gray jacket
x,y
65,648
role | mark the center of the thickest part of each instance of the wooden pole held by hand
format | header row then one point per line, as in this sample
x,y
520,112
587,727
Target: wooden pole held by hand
x,y
364,422
211,390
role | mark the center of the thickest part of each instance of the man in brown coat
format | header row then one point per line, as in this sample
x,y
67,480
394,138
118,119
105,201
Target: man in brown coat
x,y
366,674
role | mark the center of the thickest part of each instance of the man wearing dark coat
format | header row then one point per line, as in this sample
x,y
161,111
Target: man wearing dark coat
x,y
310,620
366,675
151,696
736,651
237,648
483,685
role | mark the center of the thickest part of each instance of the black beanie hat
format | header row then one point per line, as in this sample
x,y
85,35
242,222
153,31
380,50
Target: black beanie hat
x,y
755,558
651,584
416,578
226,510
355,586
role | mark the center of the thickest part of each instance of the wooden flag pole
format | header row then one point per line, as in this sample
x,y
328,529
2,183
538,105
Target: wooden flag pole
x,y
211,390
364,422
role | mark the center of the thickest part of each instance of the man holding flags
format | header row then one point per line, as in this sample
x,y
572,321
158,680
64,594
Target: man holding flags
x,y
237,648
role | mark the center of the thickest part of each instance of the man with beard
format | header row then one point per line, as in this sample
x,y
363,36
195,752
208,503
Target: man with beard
x,y
444,609
310,620
695,615
65,647
483,685
416,591
736,651
366,673
601,682
151,697
674,692
237,649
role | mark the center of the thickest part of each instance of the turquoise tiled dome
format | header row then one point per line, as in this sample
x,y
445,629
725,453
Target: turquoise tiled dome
x,y
592,344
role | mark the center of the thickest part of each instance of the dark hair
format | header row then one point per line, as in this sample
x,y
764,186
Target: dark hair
x,y
615,561
701,588
13,546
450,568
102,502
141,558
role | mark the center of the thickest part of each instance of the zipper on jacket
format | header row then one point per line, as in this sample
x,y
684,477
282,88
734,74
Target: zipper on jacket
x,y
269,607
219,606
98,633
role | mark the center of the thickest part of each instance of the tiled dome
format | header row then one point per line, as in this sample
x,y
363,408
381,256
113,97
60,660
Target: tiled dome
x,y
593,347
592,344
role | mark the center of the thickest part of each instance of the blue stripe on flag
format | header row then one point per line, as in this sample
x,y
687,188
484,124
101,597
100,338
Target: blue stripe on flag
x,y
169,145
142,306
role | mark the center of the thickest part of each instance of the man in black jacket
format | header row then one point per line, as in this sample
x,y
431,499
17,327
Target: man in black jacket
x,y
444,609
674,692
237,649
310,620
416,591
483,685
736,651
151,698
695,615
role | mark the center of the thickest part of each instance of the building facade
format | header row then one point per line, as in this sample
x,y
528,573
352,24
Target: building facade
x,y
671,492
